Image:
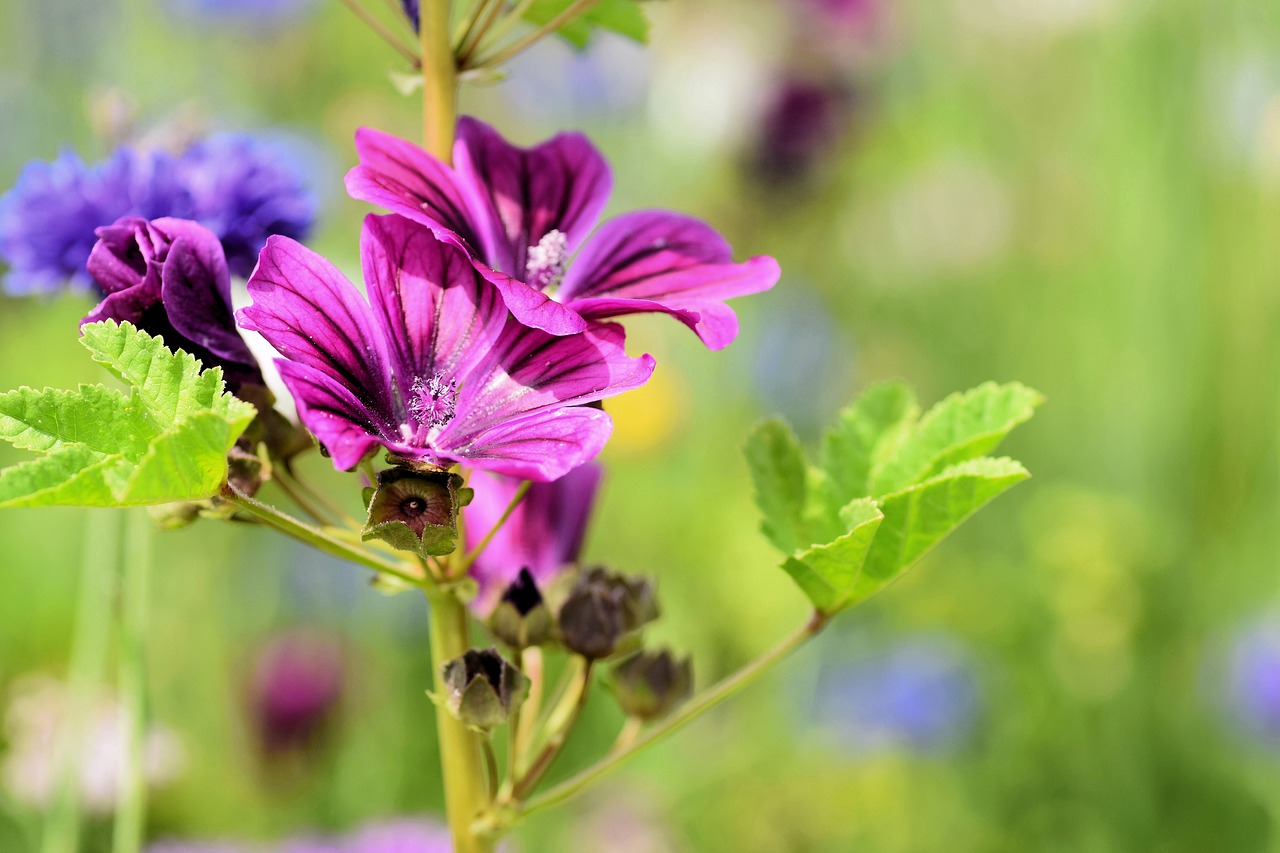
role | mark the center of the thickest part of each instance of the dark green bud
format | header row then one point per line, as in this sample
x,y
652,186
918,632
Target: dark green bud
x,y
603,611
481,688
416,511
522,618
649,685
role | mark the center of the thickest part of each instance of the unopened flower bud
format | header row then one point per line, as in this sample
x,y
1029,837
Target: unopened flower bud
x,y
603,610
482,688
521,618
415,511
649,684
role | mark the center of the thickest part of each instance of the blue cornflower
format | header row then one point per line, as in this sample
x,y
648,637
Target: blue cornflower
x,y
239,187
47,220
920,694
411,11
241,190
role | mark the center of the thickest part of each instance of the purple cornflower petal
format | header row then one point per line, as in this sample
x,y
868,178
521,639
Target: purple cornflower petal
x,y
242,190
543,534
522,213
47,220
435,369
237,186
169,278
411,11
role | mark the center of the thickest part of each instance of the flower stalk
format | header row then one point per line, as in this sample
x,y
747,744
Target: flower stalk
x,y
439,80
131,802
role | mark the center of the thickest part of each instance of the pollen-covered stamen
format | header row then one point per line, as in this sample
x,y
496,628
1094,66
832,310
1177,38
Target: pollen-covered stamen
x,y
546,263
434,402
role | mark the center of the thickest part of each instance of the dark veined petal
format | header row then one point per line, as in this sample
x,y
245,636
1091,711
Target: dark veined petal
x,y
314,316
196,290
562,185
402,177
534,308
668,262
543,533
529,371
544,446
438,312
343,424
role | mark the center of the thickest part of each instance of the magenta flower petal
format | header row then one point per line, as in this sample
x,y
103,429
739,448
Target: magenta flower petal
x,y
313,315
535,308
436,369
543,446
440,316
405,179
661,261
347,428
526,193
543,534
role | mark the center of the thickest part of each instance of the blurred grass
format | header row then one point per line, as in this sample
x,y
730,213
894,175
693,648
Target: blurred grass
x,y
1078,205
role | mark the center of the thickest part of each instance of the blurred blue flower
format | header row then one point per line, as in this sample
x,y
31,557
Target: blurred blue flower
x,y
241,190
47,220
1252,689
262,13
238,186
804,363
410,11
920,694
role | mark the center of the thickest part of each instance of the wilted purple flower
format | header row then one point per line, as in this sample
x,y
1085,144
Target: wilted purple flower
x,y
47,220
521,214
237,186
920,694
803,120
435,369
1253,680
544,534
169,278
296,686
241,190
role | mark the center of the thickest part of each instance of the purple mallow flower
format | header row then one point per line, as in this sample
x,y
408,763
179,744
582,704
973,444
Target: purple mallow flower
x,y
522,214
543,534
236,185
433,367
169,278
295,689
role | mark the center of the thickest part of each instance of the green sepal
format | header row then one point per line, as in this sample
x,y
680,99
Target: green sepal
x,y
415,511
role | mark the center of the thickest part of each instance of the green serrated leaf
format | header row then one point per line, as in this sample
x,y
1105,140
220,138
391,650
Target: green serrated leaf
x,y
919,517
99,418
166,441
963,426
828,574
779,471
862,434
624,17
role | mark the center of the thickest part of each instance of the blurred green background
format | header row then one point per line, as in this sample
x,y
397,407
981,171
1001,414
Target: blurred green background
x,y
1083,195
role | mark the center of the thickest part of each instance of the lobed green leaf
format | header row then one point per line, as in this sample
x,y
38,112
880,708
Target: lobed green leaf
x,y
779,471
828,574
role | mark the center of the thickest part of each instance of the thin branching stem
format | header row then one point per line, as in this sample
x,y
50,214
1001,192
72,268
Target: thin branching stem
x,y
385,34
580,7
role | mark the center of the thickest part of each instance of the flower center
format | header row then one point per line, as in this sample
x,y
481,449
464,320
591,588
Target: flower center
x,y
545,266
434,402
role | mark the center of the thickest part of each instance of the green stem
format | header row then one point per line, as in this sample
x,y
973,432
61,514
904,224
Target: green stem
x,y
561,723
580,7
460,752
466,561
504,26
469,45
98,569
439,80
131,801
698,705
320,540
